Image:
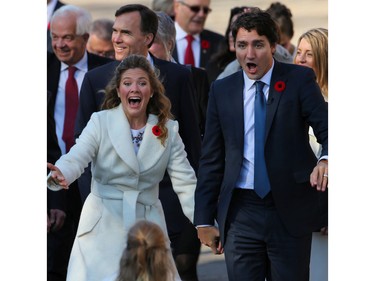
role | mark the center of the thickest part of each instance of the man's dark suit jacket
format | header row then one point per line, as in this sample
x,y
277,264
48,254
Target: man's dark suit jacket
x,y
202,87
289,157
55,200
179,88
53,77
209,43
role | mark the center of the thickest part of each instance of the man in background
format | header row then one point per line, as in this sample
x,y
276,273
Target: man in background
x,y
194,44
100,40
66,67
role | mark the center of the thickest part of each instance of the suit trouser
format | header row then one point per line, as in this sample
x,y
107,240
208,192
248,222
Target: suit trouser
x,y
59,245
258,245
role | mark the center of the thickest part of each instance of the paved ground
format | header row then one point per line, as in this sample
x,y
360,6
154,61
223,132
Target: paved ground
x,y
211,267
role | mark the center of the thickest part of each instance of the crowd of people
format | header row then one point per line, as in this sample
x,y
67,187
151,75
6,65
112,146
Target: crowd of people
x,y
163,136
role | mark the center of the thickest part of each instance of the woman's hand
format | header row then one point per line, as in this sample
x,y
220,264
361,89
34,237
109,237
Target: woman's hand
x,y
57,176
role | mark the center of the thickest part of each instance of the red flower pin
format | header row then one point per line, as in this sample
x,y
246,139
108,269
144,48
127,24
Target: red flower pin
x,y
156,131
280,86
205,44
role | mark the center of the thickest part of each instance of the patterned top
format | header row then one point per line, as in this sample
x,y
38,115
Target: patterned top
x,y
137,136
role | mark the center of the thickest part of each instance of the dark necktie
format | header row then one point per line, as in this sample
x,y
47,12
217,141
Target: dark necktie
x,y
261,181
71,108
189,55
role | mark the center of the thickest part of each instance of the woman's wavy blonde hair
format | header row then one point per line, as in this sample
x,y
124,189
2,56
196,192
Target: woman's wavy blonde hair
x,y
158,105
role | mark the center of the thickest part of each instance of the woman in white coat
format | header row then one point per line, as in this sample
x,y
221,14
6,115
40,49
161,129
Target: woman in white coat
x,y
131,143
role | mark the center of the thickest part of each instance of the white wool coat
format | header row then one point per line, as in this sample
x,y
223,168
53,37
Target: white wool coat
x,y
124,187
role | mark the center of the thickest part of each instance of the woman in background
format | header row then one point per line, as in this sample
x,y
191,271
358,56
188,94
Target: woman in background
x,y
312,51
225,52
283,17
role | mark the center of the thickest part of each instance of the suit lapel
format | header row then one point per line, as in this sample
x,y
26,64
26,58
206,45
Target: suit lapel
x,y
204,53
163,70
120,135
273,95
235,96
175,54
53,68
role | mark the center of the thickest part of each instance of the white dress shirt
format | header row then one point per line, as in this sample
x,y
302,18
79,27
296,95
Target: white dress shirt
x,y
181,44
60,97
246,177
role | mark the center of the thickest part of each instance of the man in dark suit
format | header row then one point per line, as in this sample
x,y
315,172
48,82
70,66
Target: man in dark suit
x,y
188,249
190,17
69,49
255,134
58,249
162,48
134,31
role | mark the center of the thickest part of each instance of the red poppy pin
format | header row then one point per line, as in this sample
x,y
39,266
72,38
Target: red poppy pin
x,y
156,131
205,44
280,86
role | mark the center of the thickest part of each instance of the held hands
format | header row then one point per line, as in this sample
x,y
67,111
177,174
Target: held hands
x,y
319,176
57,177
209,236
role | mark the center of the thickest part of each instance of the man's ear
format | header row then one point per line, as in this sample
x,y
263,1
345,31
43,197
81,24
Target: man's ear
x,y
86,37
148,39
273,48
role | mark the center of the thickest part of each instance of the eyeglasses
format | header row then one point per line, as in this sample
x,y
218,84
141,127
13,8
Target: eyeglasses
x,y
196,8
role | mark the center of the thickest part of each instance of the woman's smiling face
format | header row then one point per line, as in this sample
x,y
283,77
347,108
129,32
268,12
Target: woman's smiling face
x,y
135,92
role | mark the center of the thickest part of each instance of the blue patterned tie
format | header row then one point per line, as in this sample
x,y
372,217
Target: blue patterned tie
x,y
261,181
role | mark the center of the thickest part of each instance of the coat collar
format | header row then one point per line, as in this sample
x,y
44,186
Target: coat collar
x,y
235,90
119,132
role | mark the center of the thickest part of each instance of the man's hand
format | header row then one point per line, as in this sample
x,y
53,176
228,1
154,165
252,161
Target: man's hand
x,y
319,176
55,220
48,223
324,230
210,236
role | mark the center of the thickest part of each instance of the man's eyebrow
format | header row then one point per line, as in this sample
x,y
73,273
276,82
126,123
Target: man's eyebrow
x,y
126,31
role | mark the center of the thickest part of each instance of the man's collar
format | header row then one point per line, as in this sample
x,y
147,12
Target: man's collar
x,y
81,64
